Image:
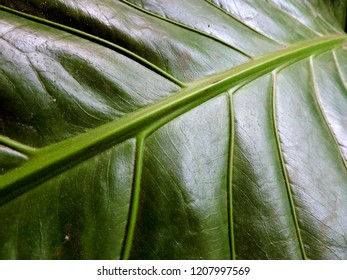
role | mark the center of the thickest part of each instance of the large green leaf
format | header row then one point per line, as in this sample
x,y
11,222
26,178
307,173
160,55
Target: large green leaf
x,y
173,129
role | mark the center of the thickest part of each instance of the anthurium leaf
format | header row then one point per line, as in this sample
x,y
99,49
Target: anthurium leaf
x,y
173,130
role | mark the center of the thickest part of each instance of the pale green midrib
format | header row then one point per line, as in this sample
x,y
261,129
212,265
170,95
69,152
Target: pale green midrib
x,y
205,34
135,198
52,160
284,171
99,40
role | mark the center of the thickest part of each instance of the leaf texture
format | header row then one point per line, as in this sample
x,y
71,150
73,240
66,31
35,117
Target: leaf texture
x,y
173,130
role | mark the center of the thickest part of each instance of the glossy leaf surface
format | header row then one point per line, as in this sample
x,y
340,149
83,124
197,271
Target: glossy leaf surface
x,y
173,129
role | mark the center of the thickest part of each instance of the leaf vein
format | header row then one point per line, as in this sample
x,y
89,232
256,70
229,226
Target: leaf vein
x,y
283,167
321,111
98,40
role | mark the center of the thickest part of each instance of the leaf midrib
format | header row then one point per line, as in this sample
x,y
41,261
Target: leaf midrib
x,y
52,160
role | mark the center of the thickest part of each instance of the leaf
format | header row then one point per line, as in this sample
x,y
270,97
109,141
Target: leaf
x,y
173,130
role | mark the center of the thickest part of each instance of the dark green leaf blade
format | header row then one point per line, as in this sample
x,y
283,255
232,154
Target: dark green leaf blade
x,y
316,170
134,161
265,226
43,80
178,51
184,205
80,214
